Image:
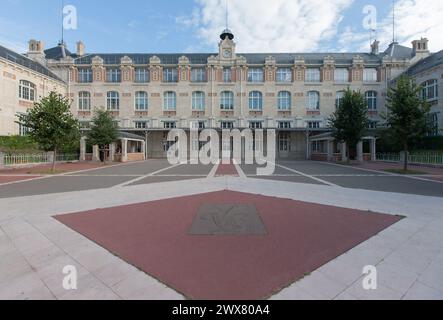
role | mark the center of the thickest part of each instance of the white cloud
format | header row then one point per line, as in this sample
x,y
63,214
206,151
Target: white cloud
x,y
269,26
414,19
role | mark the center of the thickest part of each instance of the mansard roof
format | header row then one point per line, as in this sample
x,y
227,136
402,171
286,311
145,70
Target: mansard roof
x,y
427,63
398,52
26,62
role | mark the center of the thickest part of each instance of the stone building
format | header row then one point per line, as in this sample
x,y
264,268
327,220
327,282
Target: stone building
x,y
294,93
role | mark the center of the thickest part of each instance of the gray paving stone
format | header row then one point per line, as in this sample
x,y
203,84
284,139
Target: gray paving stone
x,y
420,291
89,288
320,286
432,276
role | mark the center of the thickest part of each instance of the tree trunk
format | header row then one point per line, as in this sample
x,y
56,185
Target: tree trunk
x,y
405,164
54,160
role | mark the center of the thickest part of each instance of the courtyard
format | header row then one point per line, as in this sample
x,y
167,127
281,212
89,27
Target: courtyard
x,y
151,230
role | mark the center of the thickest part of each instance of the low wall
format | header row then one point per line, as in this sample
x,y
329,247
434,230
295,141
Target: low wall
x,y
135,157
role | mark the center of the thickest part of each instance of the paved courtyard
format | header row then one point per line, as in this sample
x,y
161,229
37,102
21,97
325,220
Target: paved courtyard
x,y
40,232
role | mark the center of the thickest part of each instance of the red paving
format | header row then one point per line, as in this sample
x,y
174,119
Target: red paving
x,y
6,179
64,167
154,237
226,170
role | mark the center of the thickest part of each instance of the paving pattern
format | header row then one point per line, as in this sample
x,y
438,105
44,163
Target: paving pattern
x,y
34,247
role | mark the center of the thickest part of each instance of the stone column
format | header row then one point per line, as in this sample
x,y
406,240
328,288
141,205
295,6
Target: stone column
x,y
95,153
124,150
144,150
112,148
373,147
2,159
344,156
360,151
330,149
83,149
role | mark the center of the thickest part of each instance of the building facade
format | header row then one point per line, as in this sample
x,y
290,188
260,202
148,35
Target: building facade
x,y
23,81
293,93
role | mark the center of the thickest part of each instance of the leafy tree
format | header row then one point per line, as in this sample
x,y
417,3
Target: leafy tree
x,y
350,121
408,114
103,131
51,124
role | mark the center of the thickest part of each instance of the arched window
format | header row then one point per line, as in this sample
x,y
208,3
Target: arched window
x,y
198,100
84,100
339,98
313,100
141,100
371,100
26,90
284,100
227,100
430,90
169,100
255,100
341,75
113,100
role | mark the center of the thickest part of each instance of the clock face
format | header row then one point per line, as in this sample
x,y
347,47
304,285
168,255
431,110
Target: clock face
x,y
226,53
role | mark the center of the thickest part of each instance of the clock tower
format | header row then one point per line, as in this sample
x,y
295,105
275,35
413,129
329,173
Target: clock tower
x,y
227,45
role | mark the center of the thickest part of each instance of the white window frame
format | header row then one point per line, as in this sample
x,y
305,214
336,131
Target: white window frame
x,y
371,100
84,101
227,75
27,90
256,75
84,75
284,101
198,100
341,75
170,75
227,100
339,95
313,100
227,125
141,102
283,75
430,90
312,75
113,101
169,101
198,75
141,75
113,75
255,101
370,75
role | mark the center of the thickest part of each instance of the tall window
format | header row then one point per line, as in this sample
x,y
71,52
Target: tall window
x,y
198,75
284,100
370,75
141,100
26,90
339,98
227,75
313,100
255,75
169,101
430,90
141,75
312,75
170,75
84,100
341,75
371,100
198,100
113,100
227,100
255,100
284,75
84,75
113,75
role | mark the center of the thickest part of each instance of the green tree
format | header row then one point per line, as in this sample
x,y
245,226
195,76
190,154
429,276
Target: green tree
x,y
350,120
103,130
408,114
51,124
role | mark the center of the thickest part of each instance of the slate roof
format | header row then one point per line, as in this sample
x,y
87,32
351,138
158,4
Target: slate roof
x,y
26,62
426,63
397,51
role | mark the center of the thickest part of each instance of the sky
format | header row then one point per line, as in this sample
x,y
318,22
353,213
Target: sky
x,y
173,26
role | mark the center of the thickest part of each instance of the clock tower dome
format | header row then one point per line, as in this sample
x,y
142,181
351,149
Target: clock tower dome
x,y
227,45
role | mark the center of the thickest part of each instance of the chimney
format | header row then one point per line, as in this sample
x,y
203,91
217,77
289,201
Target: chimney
x,y
375,47
420,49
36,51
80,49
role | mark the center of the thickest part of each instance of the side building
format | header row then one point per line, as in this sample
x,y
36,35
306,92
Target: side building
x,y
23,81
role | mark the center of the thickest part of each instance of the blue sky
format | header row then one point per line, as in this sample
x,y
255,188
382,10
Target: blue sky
x,y
194,25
